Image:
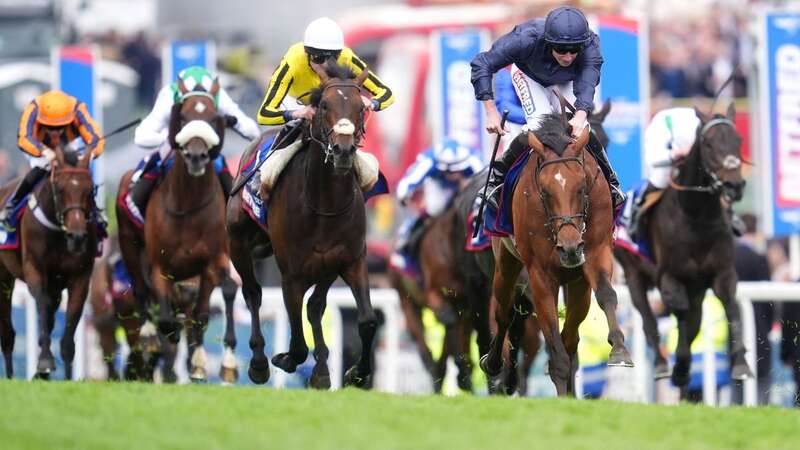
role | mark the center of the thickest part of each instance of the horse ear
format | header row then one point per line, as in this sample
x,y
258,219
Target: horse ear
x,y
701,115
582,140
214,87
362,77
319,69
601,115
535,143
182,87
731,113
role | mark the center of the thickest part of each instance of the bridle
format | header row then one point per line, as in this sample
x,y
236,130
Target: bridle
x,y
61,213
716,185
572,219
325,140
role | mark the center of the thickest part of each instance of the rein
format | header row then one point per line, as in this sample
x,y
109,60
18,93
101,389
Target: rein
x,y
716,184
571,219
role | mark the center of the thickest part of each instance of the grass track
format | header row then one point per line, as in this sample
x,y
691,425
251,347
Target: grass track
x,y
87,415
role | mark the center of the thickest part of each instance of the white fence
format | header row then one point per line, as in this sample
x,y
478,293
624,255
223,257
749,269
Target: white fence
x,y
388,357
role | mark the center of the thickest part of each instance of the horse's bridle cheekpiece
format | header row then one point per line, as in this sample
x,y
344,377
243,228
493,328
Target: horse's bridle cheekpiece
x,y
571,219
733,162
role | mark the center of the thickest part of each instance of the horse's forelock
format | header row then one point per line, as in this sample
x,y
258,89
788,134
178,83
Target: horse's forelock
x,y
337,71
552,134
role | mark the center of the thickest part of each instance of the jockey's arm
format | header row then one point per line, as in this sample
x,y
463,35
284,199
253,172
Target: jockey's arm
x,y
583,86
414,177
152,132
270,112
89,130
27,140
382,96
246,126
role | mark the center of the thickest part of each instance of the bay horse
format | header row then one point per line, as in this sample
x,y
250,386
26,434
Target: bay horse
x,y
57,244
184,234
558,242
693,246
317,227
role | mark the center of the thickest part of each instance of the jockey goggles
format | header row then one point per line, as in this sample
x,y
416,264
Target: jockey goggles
x,y
318,56
563,49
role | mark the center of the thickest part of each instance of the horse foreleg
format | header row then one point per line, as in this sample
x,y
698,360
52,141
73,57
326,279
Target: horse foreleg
x,y
127,314
356,277
724,286
638,291
578,297
320,375
413,316
688,326
530,346
506,272
163,286
251,290
7,334
516,335
463,331
229,370
195,333
545,300
599,278
77,293
44,305
298,349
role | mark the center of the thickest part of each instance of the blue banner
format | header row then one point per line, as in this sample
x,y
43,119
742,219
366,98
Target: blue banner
x,y
624,83
76,76
780,116
455,112
179,55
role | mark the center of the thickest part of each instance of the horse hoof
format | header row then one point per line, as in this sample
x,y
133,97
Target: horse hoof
x,y
661,371
495,385
321,381
620,357
285,362
170,330
484,363
258,373
741,372
198,375
46,365
44,376
229,375
352,378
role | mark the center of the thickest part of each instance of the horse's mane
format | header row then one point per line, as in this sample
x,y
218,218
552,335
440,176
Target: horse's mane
x,y
552,133
332,71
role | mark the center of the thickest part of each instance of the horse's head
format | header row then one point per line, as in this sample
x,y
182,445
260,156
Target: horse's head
x,y
338,124
73,197
561,182
720,155
596,120
196,129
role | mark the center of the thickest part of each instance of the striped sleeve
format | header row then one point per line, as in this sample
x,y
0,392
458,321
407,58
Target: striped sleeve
x,y
27,141
270,112
380,92
89,129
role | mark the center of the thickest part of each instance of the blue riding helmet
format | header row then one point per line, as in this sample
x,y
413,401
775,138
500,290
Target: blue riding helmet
x,y
450,156
566,25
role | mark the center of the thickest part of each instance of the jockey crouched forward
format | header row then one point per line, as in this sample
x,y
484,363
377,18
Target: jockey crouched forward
x,y
559,50
669,137
294,78
426,189
53,119
151,134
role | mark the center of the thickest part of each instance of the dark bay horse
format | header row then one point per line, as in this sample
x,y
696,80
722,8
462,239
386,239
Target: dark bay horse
x,y
562,220
693,246
184,234
58,241
317,226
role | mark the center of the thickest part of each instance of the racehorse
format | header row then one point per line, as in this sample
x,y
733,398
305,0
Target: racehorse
x,y
693,246
317,225
559,243
184,234
57,244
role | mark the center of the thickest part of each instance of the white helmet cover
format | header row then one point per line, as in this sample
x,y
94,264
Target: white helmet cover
x,y
323,34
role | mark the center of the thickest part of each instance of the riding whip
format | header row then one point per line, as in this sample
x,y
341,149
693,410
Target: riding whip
x,y
276,145
489,174
117,131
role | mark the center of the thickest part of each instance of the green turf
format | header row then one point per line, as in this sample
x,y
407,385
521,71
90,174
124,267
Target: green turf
x,y
60,415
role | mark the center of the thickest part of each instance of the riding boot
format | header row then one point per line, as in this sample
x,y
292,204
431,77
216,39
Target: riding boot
x,y
500,169
596,149
637,223
141,189
24,188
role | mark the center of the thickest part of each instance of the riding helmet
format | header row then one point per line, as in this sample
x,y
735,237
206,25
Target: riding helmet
x,y
566,25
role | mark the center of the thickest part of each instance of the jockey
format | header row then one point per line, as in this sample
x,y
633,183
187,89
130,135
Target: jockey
x,y
669,137
151,134
323,41
427,187
558,51
53,119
